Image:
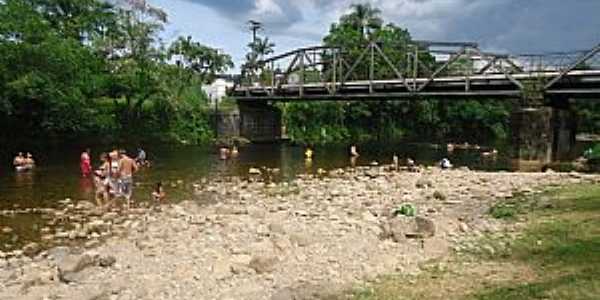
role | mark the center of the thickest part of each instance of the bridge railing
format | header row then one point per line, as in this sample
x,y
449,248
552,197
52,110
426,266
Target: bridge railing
x,y
414,69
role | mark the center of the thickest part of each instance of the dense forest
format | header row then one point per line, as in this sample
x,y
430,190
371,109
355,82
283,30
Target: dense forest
x,y
93,69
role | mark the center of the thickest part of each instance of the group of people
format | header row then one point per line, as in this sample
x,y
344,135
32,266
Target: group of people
x,y
114,177
225,153
23,162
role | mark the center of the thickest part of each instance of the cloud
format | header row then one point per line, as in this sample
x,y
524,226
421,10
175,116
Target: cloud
x,y
516,26
278,15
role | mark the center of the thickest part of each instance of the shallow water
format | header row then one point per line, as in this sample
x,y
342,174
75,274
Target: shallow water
x,y
57,175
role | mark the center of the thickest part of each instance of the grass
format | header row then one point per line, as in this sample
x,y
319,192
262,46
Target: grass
x,y
557,256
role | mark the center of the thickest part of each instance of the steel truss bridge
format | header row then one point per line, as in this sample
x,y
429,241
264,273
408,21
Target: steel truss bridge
x,y
427,70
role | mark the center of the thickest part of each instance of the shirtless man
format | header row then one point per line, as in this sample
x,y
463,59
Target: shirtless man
x,y
19,160
127,167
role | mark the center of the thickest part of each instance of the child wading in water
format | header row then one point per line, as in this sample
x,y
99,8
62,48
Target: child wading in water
x,y
158,195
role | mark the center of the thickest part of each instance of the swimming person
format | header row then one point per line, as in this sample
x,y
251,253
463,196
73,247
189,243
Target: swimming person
x,y
127,167
85,164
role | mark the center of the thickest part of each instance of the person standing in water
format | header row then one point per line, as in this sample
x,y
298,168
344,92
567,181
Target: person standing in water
x,y
353,151
141,157
19,161
29,161
85,164
127,167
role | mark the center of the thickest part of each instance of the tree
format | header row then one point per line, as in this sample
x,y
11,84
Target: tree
x,y
202,60
262,47
364,18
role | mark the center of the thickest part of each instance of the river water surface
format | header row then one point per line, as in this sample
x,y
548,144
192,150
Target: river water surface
x,y
57,175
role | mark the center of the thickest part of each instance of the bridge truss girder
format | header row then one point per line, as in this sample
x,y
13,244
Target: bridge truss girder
x,y
324,73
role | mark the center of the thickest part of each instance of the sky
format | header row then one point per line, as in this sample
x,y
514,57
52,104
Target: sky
x,y
507,26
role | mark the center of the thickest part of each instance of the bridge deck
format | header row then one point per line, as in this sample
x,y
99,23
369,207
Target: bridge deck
x,y
576,83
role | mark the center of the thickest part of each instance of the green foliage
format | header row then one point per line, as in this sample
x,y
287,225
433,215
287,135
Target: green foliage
x,y
88,68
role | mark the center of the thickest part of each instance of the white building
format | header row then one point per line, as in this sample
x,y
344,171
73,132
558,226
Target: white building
x,y
217,90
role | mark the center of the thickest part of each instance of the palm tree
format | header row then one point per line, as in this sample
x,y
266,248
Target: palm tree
x,y
262,47
364,17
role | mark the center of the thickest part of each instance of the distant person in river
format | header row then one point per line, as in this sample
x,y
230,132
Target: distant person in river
x,y
353,151
308,153
85,163
445,164
100,180
224,153
112,177
159,195
19,161
234,151
141,157
127,166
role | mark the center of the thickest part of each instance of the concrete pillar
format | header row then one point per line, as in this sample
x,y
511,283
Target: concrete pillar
x,y
532,135
542,134
259,121
564,122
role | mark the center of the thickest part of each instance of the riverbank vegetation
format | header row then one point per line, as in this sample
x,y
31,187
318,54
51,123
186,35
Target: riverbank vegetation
x,y
90,69
555,256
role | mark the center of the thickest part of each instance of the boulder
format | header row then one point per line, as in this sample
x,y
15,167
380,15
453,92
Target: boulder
x,y
107,261
423,183
276,228
263,263
425,228
70,265
254,171
221,269
31,249
85,205
439,195
300,239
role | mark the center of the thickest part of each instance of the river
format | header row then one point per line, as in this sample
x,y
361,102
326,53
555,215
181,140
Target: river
x,y
57,175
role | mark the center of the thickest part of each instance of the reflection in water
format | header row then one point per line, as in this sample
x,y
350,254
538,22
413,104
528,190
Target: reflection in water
x,y
86,185
308,164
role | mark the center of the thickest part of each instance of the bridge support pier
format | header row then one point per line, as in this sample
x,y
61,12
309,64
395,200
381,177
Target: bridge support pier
x,y
259,121
542,134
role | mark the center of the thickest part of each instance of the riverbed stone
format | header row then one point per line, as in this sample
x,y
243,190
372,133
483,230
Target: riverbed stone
x,y
263,263
31,249
70,265
224,257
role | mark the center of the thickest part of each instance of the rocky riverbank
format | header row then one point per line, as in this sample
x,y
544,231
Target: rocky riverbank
x,y
248,239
